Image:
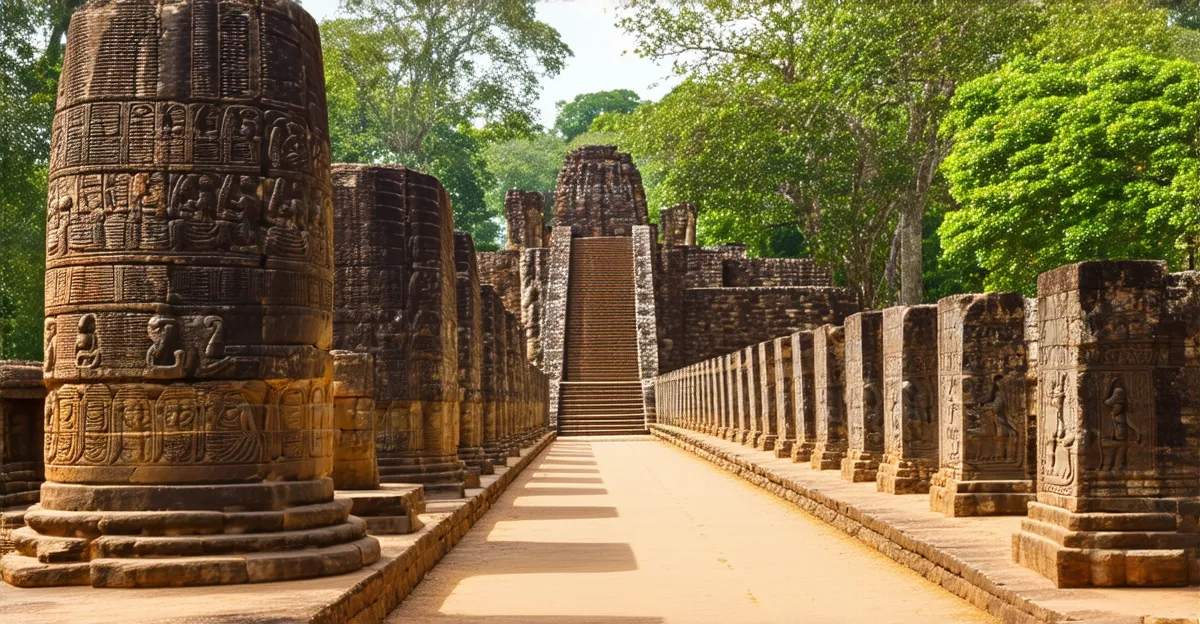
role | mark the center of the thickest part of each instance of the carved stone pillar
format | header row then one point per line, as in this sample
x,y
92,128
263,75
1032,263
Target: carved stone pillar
x,y
470,359
22,404
764,360
492,313
1118,490
830,407
748,390
910,359
785,397
512,404
864,396
804,396
534,263
189,300
984,454
726,397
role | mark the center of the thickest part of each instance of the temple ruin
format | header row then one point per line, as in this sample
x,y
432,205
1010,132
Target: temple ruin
x,y
262,366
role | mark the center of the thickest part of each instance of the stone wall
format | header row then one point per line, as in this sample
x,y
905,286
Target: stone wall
x,y
502,269
717,321
748,272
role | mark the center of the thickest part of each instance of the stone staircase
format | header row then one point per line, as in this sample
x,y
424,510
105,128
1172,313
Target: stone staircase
x,y
601,393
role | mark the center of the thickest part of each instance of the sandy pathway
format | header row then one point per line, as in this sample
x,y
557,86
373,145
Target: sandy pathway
x,y
617,532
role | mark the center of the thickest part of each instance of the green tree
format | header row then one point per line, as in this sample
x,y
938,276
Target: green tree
x,y
31,36
1060,162
429,83
835,109
527,164
575,117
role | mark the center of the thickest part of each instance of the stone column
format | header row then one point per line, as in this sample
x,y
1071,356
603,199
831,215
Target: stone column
x,y
1118,490
985,463
189,301
864,395
725,406
512,375
751,426
470,360
492,373
910,357
354,461
422,427
534,263
765,365
740,400
785,397
829,411
22,404
804,392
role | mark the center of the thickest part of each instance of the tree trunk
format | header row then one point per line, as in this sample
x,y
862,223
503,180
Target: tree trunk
x,y
912,284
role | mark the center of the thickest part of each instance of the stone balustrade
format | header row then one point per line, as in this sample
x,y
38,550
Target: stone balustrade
x,y
1078,410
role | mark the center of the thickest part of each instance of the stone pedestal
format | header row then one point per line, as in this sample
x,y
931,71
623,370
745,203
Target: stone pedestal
x,y
804,396
22,401
1118,490
470,361
864,396
189,299
910,426
985,464
390,509
767,408
829,447
785,397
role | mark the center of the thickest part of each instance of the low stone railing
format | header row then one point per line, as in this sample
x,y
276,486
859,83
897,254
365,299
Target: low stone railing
x,y
1079,409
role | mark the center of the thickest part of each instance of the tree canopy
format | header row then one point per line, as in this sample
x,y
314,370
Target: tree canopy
x,y
576,117
429,83
1060,162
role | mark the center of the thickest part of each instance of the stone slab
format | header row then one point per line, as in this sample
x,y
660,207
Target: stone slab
x,y
969,557
361,597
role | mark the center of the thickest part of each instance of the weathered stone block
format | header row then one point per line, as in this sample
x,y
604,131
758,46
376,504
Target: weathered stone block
x,y
1114,450
910,454
984,457
805,400
864,396
829,447
764,361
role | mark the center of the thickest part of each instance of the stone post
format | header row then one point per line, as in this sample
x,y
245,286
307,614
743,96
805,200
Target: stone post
x,y
470,360
22,404
984,454
830,408
804,392
740,398
514,361
752,419
1118,490
864,395
534,263
189,301
768,418
354,462
727,405
492,374
785,397
910,349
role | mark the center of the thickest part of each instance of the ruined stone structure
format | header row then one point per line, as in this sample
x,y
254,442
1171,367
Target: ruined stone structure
x,y
470,360
189,300
864,396
606,306
22,398
1114,350
1118,490
910,408
986,463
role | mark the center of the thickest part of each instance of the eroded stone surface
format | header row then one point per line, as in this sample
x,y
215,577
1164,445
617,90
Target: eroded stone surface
x,y
910,405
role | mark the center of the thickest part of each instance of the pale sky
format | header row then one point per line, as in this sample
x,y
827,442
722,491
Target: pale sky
x,y
587,27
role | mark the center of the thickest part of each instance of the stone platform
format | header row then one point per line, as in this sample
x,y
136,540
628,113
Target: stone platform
x,y
364,596
969,557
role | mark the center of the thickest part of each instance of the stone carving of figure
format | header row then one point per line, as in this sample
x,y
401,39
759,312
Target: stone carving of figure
x,y
238,207
1115,446
286,213
872,415
87,343
918,423
193,209
50,354
953,429
1060,444
1000,433
161,360
58,221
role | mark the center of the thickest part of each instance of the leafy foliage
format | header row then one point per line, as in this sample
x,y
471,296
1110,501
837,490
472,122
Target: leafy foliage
x,y
429,83
31,33
1060,162
575,117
